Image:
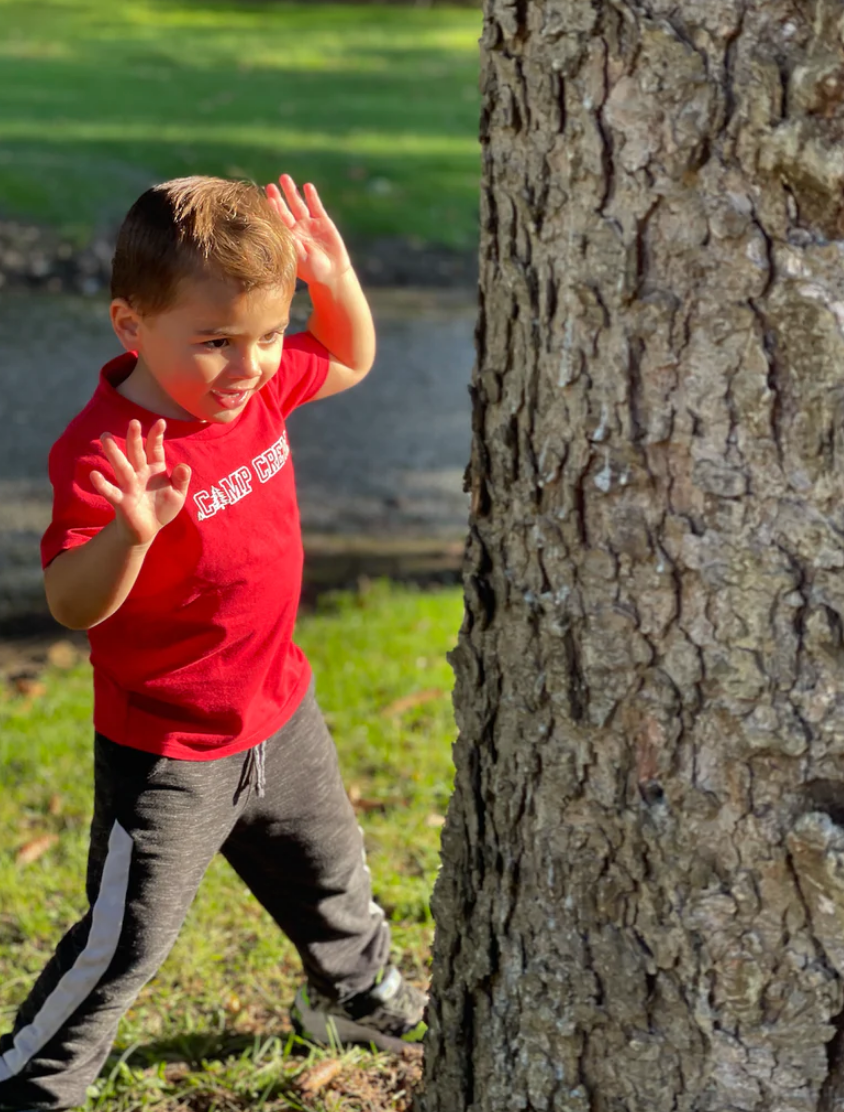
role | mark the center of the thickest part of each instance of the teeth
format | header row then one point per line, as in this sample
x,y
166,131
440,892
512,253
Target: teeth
x,y
236,397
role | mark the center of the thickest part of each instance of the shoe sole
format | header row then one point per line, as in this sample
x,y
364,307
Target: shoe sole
x,y
338,1031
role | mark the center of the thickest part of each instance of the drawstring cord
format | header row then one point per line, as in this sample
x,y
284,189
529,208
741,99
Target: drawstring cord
x,y
254,759
259,768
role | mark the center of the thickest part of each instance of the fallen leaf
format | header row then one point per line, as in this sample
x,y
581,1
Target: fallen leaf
x,y
435,820
61,654
409,701
232,1003
361,803
35,848
29,686
175,1072
316,1078
367,805
55,804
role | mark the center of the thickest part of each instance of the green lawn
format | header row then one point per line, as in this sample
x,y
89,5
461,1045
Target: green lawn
x,y
210,1032
378,105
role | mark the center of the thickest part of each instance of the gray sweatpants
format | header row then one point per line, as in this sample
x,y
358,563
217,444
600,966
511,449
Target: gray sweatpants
x,y
157,824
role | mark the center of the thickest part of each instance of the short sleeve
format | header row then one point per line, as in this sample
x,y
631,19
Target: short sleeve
x,y
303,370
79,513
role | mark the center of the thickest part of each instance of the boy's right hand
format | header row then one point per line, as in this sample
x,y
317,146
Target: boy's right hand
x,y
144,497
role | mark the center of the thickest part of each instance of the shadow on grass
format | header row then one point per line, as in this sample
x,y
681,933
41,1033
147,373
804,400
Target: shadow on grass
x,y
195,1048
203,1071
186,1077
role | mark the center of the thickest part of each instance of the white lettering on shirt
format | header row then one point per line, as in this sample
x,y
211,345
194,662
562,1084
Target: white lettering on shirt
x,y
237,485
225,492
269,463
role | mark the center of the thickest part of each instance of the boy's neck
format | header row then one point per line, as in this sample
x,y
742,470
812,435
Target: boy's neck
x,y
140,388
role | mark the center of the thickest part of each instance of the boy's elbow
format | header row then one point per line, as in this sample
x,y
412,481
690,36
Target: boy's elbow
x,y
363,359
78,625
362,370
62,602
65,614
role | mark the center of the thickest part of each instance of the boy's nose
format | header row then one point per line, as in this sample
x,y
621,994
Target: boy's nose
x,y
249,365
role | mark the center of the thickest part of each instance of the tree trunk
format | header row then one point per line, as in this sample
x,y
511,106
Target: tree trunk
x,y
641,904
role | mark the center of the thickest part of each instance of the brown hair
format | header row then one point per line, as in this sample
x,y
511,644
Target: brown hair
x,y
199,227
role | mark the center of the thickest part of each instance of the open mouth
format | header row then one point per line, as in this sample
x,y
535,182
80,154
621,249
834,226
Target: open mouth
x,y
231,399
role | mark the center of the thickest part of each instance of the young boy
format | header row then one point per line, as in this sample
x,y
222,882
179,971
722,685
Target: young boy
x,y
175,542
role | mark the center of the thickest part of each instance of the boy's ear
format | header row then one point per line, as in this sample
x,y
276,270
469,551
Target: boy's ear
x,y
126,322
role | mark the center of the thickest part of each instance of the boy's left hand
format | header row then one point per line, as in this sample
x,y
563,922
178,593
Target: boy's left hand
x,y
321,253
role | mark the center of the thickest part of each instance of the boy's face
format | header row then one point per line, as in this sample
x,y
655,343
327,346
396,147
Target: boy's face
x,y
207,355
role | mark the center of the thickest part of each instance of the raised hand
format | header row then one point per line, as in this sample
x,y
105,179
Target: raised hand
x,y
145,498
321,253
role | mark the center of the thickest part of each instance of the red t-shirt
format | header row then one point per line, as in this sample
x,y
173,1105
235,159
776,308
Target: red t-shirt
x,y
199,661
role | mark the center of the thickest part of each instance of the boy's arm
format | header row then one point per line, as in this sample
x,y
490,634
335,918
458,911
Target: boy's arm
x,y
86,585
341,319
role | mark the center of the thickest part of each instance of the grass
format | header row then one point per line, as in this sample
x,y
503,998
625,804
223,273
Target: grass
x,y
210,1031
376,104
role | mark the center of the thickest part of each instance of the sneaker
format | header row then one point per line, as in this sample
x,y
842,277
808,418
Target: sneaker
x,y
388,1016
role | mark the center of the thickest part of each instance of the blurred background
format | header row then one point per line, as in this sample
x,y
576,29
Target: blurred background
x,y
377,103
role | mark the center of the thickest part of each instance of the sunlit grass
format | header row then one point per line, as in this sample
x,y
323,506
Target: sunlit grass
x,y
383,682
248,136
377,104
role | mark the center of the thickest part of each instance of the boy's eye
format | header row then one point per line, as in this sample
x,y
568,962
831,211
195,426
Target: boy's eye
x,y
271,337
220,342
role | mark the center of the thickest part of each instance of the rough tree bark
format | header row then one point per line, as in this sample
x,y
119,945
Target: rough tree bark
x,y
641,904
